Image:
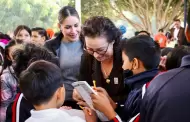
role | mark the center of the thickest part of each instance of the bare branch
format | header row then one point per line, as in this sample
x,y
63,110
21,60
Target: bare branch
x,y
167,8
134,24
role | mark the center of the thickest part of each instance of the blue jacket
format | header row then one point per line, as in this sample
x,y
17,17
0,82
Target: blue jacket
x,y
168,96
133,102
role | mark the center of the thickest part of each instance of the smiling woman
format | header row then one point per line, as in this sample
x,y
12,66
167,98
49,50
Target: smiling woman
x,y
68,47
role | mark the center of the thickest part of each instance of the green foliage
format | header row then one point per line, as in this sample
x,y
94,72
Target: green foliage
x,y
43,13
91,8
33,13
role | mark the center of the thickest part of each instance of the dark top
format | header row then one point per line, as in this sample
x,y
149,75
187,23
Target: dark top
x,y
133,102
168,96
91,70
24,110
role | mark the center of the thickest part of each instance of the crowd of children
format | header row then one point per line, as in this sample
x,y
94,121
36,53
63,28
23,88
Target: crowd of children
x,y
137,79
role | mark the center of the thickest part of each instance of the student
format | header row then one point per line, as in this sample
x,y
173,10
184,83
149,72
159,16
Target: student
x,y
141,57
22,34
22,56
8,80
39,35
161,38
41,84
167,97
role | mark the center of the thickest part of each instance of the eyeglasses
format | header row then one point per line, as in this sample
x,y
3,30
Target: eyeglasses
x,y
91,51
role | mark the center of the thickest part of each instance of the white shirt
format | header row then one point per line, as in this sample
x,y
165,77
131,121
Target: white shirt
x,y
52,115
176,31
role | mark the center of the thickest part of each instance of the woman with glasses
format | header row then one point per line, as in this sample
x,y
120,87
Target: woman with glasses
x,y
102,61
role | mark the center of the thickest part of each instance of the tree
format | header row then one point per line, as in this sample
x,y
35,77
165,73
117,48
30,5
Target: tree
x,y
160,12
42,13
91,8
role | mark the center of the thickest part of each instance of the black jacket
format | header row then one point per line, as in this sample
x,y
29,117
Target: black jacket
x,y
54,44
167,98
21,105
133,102
135,83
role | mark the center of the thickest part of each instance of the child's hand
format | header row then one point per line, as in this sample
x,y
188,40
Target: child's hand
x,y
90,115
103,91
76,96
82,103
162,65
102,103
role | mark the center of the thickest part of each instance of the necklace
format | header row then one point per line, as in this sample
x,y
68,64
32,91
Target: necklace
x,y
105,74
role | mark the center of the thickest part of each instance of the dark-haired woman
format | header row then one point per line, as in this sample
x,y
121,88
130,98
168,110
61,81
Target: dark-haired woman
x,y
22,34
102,61
68,47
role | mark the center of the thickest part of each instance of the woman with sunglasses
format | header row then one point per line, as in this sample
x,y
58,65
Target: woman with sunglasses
x,y
102,61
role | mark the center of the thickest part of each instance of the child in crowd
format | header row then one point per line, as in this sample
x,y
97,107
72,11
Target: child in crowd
x,y
22,34
8,81
41,84
22,56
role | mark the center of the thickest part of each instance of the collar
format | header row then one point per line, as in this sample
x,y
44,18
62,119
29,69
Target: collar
x,y
57,41
185,61
45,113
141,78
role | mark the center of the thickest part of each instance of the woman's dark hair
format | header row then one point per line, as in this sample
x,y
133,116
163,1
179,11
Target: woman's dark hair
x,y
65,12
30,53
5,36
175,56
8,62
101,26
168,35
166,50
41,31
22,27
